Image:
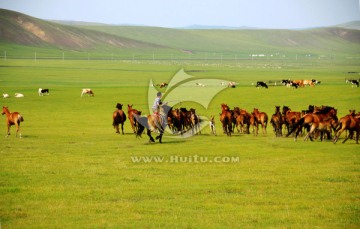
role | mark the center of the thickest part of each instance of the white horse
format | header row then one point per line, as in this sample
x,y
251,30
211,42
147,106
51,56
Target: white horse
x,y
6,96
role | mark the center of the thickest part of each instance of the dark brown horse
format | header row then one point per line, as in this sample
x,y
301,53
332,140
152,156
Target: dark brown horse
x,y
350,122
154,122
290,117
226,118
262,119
119,117
314,120
13,118
132,119
277,121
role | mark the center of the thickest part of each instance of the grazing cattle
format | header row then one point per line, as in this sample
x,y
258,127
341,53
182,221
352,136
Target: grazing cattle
x,y
200,84
309,82
289,83
12,118
6,96
162,85
87,91
300,83
232,84
43,91
261,84
353,82
19,95
119,117
315,81
212,125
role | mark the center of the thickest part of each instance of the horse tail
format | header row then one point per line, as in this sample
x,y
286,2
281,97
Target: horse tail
x,y
20,118
296,125
140,130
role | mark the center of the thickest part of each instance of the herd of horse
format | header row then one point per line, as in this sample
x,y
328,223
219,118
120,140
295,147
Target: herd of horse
x,y
315,121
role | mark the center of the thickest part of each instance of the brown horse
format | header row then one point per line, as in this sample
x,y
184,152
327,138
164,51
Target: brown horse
x,y
314,119
290,117
277,121
132,119
226,118
119,117
154,122
195,122
242,118
349,122
262,119
13,118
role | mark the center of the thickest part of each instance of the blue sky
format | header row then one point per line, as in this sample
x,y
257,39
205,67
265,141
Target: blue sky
x,y
280,14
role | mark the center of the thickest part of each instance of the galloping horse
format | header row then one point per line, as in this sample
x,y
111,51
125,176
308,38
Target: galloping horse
x,y
13,118
315,119
290,117
242,117
277,121
226,118
154,122
132,119
262,119
119,117
349,122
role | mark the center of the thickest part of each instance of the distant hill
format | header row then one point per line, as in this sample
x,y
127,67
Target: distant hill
x,y
321,40
350,25
20,29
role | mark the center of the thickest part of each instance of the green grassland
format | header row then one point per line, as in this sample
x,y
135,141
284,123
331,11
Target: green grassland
x,y
70,169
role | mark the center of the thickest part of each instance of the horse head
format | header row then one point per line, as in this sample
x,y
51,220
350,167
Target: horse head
x,y
4,110
119,106
224,107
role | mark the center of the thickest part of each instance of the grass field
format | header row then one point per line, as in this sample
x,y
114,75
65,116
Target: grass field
x,y
70,169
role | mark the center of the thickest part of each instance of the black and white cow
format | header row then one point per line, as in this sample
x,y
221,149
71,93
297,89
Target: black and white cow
x,y
43,91
353,82
261,84
290,83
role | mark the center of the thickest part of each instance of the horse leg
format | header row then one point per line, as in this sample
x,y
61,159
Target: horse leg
x,y
149,134
337,135
17,125
116,126
8,130
122,128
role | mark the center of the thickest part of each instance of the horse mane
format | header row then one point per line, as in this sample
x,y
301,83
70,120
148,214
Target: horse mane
x,y
323,110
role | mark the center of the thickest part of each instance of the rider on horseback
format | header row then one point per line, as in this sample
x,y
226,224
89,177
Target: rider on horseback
x,y
156,104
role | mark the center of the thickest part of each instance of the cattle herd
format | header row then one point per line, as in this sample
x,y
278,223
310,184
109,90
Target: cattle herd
x,y
290,83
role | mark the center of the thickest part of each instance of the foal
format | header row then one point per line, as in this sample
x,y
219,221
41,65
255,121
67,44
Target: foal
x,y
12,119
